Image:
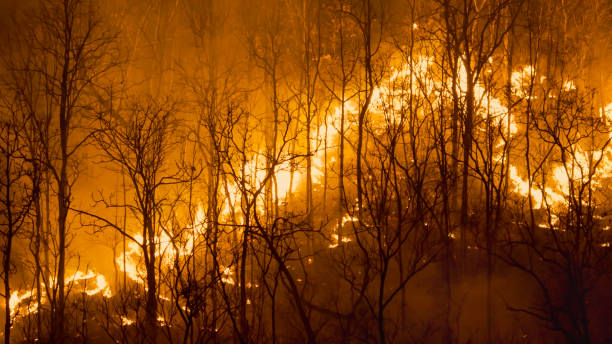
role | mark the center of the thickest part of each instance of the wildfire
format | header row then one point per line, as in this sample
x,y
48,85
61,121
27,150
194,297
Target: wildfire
x,y
125,321
540,196
90,282
162,321
287,179
16,300
100,282
165,248
227,276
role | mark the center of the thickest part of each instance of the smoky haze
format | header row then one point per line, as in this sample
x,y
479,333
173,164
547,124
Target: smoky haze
x,y
317,171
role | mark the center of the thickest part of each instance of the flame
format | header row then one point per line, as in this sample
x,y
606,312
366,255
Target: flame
x,y
131,267
164,249
576,169
519,79
569,85
101,284
102,287
412,77
125,321
162,321
18,298
227,276
538,195
414,73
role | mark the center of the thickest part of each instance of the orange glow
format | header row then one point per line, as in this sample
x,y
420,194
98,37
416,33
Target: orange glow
x,y
125,321
538,196
227,276
184,171
17,298
91,283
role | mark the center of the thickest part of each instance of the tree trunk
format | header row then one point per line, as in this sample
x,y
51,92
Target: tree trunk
x,y
151,292
467,153
6,263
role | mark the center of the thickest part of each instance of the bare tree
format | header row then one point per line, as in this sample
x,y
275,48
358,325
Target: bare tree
x,y
138,139
16,198
70,48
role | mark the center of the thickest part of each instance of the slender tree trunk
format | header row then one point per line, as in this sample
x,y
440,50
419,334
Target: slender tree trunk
x,y
6,263
63,195
489,245
309,116
381,300
151,292
45,244
446,231
369,89
37,272
341,200
7,289
244,324
63,199
467,153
